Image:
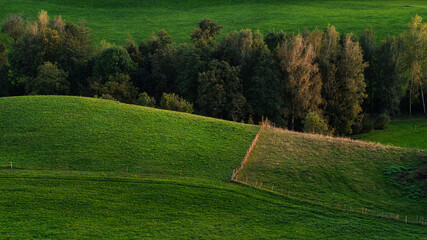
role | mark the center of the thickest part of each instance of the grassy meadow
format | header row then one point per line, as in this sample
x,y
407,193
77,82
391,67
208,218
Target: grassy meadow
x,y
404,132
332,170
88,134
69,177
52,207
114,21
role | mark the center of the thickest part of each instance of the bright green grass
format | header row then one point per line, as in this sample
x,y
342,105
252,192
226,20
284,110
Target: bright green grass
x,y
51,207
332,170
116,20
409,132
51,132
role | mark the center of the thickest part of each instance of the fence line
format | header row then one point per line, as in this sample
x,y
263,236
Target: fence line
x,y
236,171
353,208
361,210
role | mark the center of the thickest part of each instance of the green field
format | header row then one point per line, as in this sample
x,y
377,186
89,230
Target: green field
x,y
119,208
89,134
408,132
116,20
333,170
69,177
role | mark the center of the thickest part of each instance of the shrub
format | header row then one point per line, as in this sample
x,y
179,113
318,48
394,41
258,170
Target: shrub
x,y
314,123
107,97
145,100
381,121
118,86
175,103
113,61
49,80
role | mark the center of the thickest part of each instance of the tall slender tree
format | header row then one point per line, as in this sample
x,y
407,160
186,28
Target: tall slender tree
x,y
302,79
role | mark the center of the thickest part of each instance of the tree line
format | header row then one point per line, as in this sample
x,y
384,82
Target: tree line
x,y
318,81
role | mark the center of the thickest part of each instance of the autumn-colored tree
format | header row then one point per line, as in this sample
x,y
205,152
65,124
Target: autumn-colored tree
x,y
14,26
415,38
301,78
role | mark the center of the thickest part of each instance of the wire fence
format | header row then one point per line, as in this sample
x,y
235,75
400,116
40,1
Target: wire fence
x,y
131,170
349,207
354,207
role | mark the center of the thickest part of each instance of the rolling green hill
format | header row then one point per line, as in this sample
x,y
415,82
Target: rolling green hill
x,y
52,132
69,177
116,20
336,170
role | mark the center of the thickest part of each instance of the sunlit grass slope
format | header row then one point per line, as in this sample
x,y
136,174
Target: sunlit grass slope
x,y
333,170
57,132
409,132
53,207
118,19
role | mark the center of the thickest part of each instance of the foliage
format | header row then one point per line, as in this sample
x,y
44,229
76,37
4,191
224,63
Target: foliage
x,y
145,100
107,97
397,175
220,92
175,103
314,123
381,121
391,82
206,32
415,38
342,67
50,80
14,26
369,48
281,76
302,82
119,86
112,61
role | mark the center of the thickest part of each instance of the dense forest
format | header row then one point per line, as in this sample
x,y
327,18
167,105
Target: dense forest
x,y
318,81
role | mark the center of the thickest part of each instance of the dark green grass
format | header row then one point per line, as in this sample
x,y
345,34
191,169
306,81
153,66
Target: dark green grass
x,y
333,170
56,132
116,20
46,207
405,132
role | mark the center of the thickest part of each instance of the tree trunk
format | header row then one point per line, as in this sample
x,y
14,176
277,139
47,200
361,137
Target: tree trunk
x,y
422,99
410,97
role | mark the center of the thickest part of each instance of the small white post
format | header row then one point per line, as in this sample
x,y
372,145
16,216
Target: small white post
x,y
11,165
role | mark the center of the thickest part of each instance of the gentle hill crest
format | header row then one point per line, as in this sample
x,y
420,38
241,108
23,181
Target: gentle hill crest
x,y
57,132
